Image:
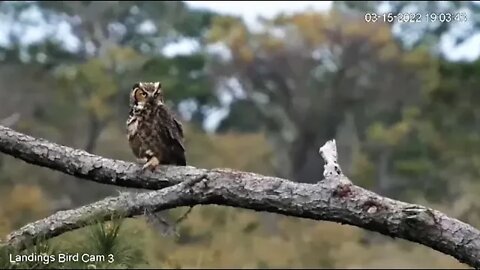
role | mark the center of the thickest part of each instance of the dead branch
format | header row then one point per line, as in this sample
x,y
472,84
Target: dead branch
x,y
334,198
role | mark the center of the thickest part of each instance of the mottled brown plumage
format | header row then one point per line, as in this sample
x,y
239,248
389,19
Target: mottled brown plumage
x,y
154,134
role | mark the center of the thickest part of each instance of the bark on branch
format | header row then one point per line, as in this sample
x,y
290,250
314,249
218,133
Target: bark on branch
x,y
334,198
84,165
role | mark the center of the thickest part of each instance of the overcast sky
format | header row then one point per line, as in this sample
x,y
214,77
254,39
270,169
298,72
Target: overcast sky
x,y
250,10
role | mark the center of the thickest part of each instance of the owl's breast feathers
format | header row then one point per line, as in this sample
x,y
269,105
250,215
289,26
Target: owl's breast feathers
x,y
156,131
132,122
133,139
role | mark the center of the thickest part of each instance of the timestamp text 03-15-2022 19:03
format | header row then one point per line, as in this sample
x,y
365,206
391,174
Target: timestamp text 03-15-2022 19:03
x,y
442,17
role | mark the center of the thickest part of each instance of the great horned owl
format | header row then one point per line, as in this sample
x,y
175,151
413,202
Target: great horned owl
x,y
154,135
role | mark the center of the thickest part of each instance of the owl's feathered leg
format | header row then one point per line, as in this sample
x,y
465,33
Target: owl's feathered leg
x,y
151,164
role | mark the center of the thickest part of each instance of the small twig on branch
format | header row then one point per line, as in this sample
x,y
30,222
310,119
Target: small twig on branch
x,y
162,224
336,199
158,221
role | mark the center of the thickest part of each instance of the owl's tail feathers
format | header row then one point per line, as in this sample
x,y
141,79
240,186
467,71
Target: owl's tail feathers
x,y
181,160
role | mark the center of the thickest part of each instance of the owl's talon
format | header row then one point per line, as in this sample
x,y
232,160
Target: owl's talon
x,y
151,164
148,167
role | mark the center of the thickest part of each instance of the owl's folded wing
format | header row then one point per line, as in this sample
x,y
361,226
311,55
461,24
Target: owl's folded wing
x,y
176,132
174,129
179,126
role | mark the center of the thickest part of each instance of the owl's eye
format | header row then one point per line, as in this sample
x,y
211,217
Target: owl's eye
x,y
140,95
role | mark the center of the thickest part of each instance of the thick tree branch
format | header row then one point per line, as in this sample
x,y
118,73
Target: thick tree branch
x,y
333,199
84,165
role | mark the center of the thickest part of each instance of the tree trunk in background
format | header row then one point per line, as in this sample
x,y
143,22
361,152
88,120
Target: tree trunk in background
x,y
95,128
382,183
348,143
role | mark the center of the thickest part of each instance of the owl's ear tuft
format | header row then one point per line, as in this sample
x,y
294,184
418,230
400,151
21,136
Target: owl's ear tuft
x,y
136,85
157,85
